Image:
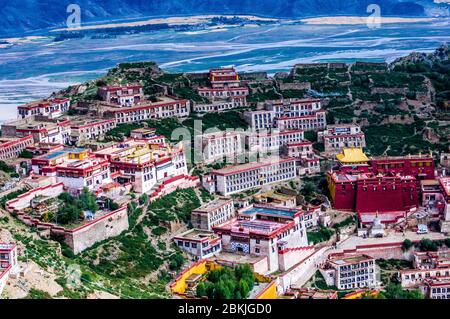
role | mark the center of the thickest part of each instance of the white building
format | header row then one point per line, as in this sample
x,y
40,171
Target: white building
x,y
213,213
278,235
85,130
260,120
350,271
143,164
429,268
307,161
265,141
221,105
124,95
199,243
8,263
43,130
76,168
436,288
52,108
146,110
220,146
225,91
11,147
238,178
289,114
149,135
336,137
413,278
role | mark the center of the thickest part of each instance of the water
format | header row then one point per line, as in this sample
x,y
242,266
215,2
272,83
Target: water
x,y
34,70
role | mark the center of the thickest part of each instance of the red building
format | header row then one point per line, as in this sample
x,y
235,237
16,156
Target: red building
x,y
225,84
224,77
419,166
389,186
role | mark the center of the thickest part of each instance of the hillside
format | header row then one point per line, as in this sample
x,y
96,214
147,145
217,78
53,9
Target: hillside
x,y
27,15
402,107
137,264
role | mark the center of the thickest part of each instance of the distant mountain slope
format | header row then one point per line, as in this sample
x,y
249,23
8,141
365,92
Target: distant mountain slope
x,y
26,15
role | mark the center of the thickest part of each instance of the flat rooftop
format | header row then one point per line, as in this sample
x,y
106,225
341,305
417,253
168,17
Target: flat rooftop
x,y
80,164
83,121
396,158
213,205
144,130
273,211
9,140
256,226
34,122
233,169
56,154
141,104
350,259
343,177
135,152
197,234
274,195
235,258
292,100
121,147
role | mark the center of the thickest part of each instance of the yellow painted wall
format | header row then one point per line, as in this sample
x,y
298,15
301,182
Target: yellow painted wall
x,y
358,295
270,292
331,187
79,156
179,286
262,278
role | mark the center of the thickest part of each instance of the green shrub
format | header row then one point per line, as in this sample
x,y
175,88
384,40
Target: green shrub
x,y
407,244
228,283
159,230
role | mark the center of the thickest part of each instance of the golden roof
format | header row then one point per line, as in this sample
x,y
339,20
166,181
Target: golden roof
x,y
352,155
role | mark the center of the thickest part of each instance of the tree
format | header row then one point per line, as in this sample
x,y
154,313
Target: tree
x,y
26,154
427,245
311,136
415,294
309,188
407,244
222,291
447,242
68,214
210,290
112,205
88,200
395,291
143,199
244,289
226,283
66,198
201,290
73,208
